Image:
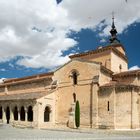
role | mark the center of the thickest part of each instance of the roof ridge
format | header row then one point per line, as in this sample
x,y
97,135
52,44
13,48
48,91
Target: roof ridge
x,y
98,50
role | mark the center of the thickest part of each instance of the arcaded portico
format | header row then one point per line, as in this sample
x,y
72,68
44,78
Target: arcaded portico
x,y
24,113
17,113
27,109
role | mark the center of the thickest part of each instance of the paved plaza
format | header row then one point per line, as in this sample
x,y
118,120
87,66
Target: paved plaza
x,y
8,132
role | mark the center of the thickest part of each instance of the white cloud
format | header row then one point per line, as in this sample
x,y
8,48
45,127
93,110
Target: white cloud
x,y
11,65
2,69
134,68
103,40
2,80
38,29
90,13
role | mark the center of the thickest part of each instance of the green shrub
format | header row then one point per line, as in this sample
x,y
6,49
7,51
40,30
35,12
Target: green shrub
x,y
77,114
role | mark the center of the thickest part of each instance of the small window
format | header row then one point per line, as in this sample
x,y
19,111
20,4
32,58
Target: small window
x,y
74,97
47,112
120,67
74,75
108,106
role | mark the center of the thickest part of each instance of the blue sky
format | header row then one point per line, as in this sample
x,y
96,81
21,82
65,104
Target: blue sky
x,y
42,38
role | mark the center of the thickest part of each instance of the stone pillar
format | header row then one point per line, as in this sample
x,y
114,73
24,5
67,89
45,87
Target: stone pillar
x,y
71,122
35,117
11,115
134,110
18,114
4,115
94,106
26,114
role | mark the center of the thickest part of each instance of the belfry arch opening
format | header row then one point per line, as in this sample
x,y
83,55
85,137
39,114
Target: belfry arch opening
x,y
47,112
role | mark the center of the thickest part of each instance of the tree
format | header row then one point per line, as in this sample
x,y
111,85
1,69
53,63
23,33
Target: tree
x,y
77,114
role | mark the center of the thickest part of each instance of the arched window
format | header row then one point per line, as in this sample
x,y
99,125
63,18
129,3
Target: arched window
x,y
47,114
74,76
22,114
30,114
15,113
0,112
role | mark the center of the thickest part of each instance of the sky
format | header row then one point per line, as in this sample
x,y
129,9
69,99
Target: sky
x,y
37,36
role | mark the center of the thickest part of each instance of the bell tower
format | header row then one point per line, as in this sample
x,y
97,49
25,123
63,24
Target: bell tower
x,y
113,40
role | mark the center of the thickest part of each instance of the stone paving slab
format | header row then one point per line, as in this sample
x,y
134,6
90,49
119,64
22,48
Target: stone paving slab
x,y
8,132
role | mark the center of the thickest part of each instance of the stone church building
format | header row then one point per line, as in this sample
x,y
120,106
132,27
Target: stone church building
x,y
108,93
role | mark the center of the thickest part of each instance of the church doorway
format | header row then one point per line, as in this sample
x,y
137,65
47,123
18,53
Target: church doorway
x,y
7,114
47,114
30,114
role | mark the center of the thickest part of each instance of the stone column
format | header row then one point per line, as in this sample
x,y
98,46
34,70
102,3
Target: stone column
x,y
18,114
4,115
34,123
94,106
26,114
38,115
11,115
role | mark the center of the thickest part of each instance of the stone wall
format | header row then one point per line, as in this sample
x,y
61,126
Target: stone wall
x,y
46,101
104,78
116,61
123,109
106,108
83,91
102,57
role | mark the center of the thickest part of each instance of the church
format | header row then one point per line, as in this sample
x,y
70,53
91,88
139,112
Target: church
x,y
108,93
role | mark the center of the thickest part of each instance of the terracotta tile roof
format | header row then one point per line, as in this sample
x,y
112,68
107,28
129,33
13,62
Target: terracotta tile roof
x,y
26,79
113,48
127,73
117,84
23,96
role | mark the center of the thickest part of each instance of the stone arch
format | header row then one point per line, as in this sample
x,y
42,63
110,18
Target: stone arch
x,y
8,114
30,113
15,111
22,114
1,113
74,70
47,112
